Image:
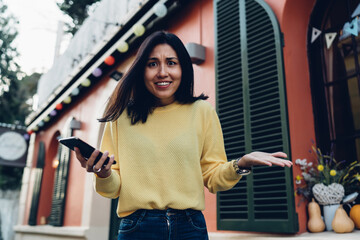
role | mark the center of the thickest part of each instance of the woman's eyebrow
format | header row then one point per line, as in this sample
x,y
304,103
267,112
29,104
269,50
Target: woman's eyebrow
x,y
169,58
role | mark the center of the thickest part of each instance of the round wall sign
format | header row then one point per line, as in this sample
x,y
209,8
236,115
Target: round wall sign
x,y
12,146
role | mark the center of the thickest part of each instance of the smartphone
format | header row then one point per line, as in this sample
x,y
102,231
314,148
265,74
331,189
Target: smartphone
x,y
85,149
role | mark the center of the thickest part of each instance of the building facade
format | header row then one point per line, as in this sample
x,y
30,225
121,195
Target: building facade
x,y
274,69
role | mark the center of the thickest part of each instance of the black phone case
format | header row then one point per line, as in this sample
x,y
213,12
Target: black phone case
x,y
85,149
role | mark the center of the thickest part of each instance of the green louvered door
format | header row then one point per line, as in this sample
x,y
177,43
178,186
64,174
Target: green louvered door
x,y
60,185
251,104
38,173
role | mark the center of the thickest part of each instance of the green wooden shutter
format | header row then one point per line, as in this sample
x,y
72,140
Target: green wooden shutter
x,y
114,220
251,104
60,185
38,172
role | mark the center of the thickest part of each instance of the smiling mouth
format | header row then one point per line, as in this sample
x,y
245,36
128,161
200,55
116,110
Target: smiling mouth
x,y
163,84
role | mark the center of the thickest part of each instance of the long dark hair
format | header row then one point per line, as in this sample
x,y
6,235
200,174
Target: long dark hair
x,y
131,93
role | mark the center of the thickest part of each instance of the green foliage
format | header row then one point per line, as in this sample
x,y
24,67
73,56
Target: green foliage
x,y
10,178
78,10
15,90
331,171
15,102
8,32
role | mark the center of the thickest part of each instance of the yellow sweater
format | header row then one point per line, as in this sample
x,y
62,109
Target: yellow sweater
x,y
166,162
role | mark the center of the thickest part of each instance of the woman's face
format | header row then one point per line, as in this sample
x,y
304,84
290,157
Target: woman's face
x,y
163,74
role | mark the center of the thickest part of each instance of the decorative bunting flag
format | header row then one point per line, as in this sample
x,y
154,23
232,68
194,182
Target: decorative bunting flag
x,y
356,12
330,37
315,34
352,27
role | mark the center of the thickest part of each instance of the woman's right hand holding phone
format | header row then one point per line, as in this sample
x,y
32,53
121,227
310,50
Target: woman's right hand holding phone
x,y
100,170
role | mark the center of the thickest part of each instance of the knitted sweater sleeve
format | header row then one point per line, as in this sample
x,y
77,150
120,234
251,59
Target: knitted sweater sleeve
x,y
218,173
109,187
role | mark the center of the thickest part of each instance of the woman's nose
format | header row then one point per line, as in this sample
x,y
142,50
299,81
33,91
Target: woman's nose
x,y
162,71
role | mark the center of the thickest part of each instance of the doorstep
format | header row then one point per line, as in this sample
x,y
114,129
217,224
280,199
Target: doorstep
x,y
327,235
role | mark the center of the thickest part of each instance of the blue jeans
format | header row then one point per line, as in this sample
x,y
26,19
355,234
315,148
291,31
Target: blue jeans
x,y
170,224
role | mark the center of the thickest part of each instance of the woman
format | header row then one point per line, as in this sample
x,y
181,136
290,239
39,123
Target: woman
x,y
168,145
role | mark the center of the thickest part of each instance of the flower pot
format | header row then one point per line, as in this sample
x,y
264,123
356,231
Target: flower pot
x,y
329,213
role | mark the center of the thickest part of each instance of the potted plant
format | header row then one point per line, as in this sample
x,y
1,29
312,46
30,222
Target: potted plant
x,y
327,181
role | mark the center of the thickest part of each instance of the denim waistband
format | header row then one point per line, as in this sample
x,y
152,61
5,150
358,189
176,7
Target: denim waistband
x,y
165,213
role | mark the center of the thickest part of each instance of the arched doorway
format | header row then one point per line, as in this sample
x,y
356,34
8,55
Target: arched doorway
x,y
333,50
44,172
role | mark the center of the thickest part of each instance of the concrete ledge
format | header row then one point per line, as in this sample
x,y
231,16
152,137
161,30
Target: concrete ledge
x,y
247,236
23,232
327,235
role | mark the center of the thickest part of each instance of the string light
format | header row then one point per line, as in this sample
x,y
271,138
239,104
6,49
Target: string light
x,y
110,60
26,136
67,100
97,72
138,29
59,106
123,47
86,83
160,9
53,113
75,92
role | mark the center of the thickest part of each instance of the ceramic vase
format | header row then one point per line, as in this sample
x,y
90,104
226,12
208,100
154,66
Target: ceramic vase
x,y
329,213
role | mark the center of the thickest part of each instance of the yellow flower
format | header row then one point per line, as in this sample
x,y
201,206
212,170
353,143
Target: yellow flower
x,y
357,176
320,168
298,179
333,172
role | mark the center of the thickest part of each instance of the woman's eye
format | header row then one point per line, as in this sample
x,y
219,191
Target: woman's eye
x,y
171,63
152,64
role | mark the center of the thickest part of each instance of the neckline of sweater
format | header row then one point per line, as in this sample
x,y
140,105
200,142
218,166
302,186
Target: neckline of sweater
x,y
169,107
